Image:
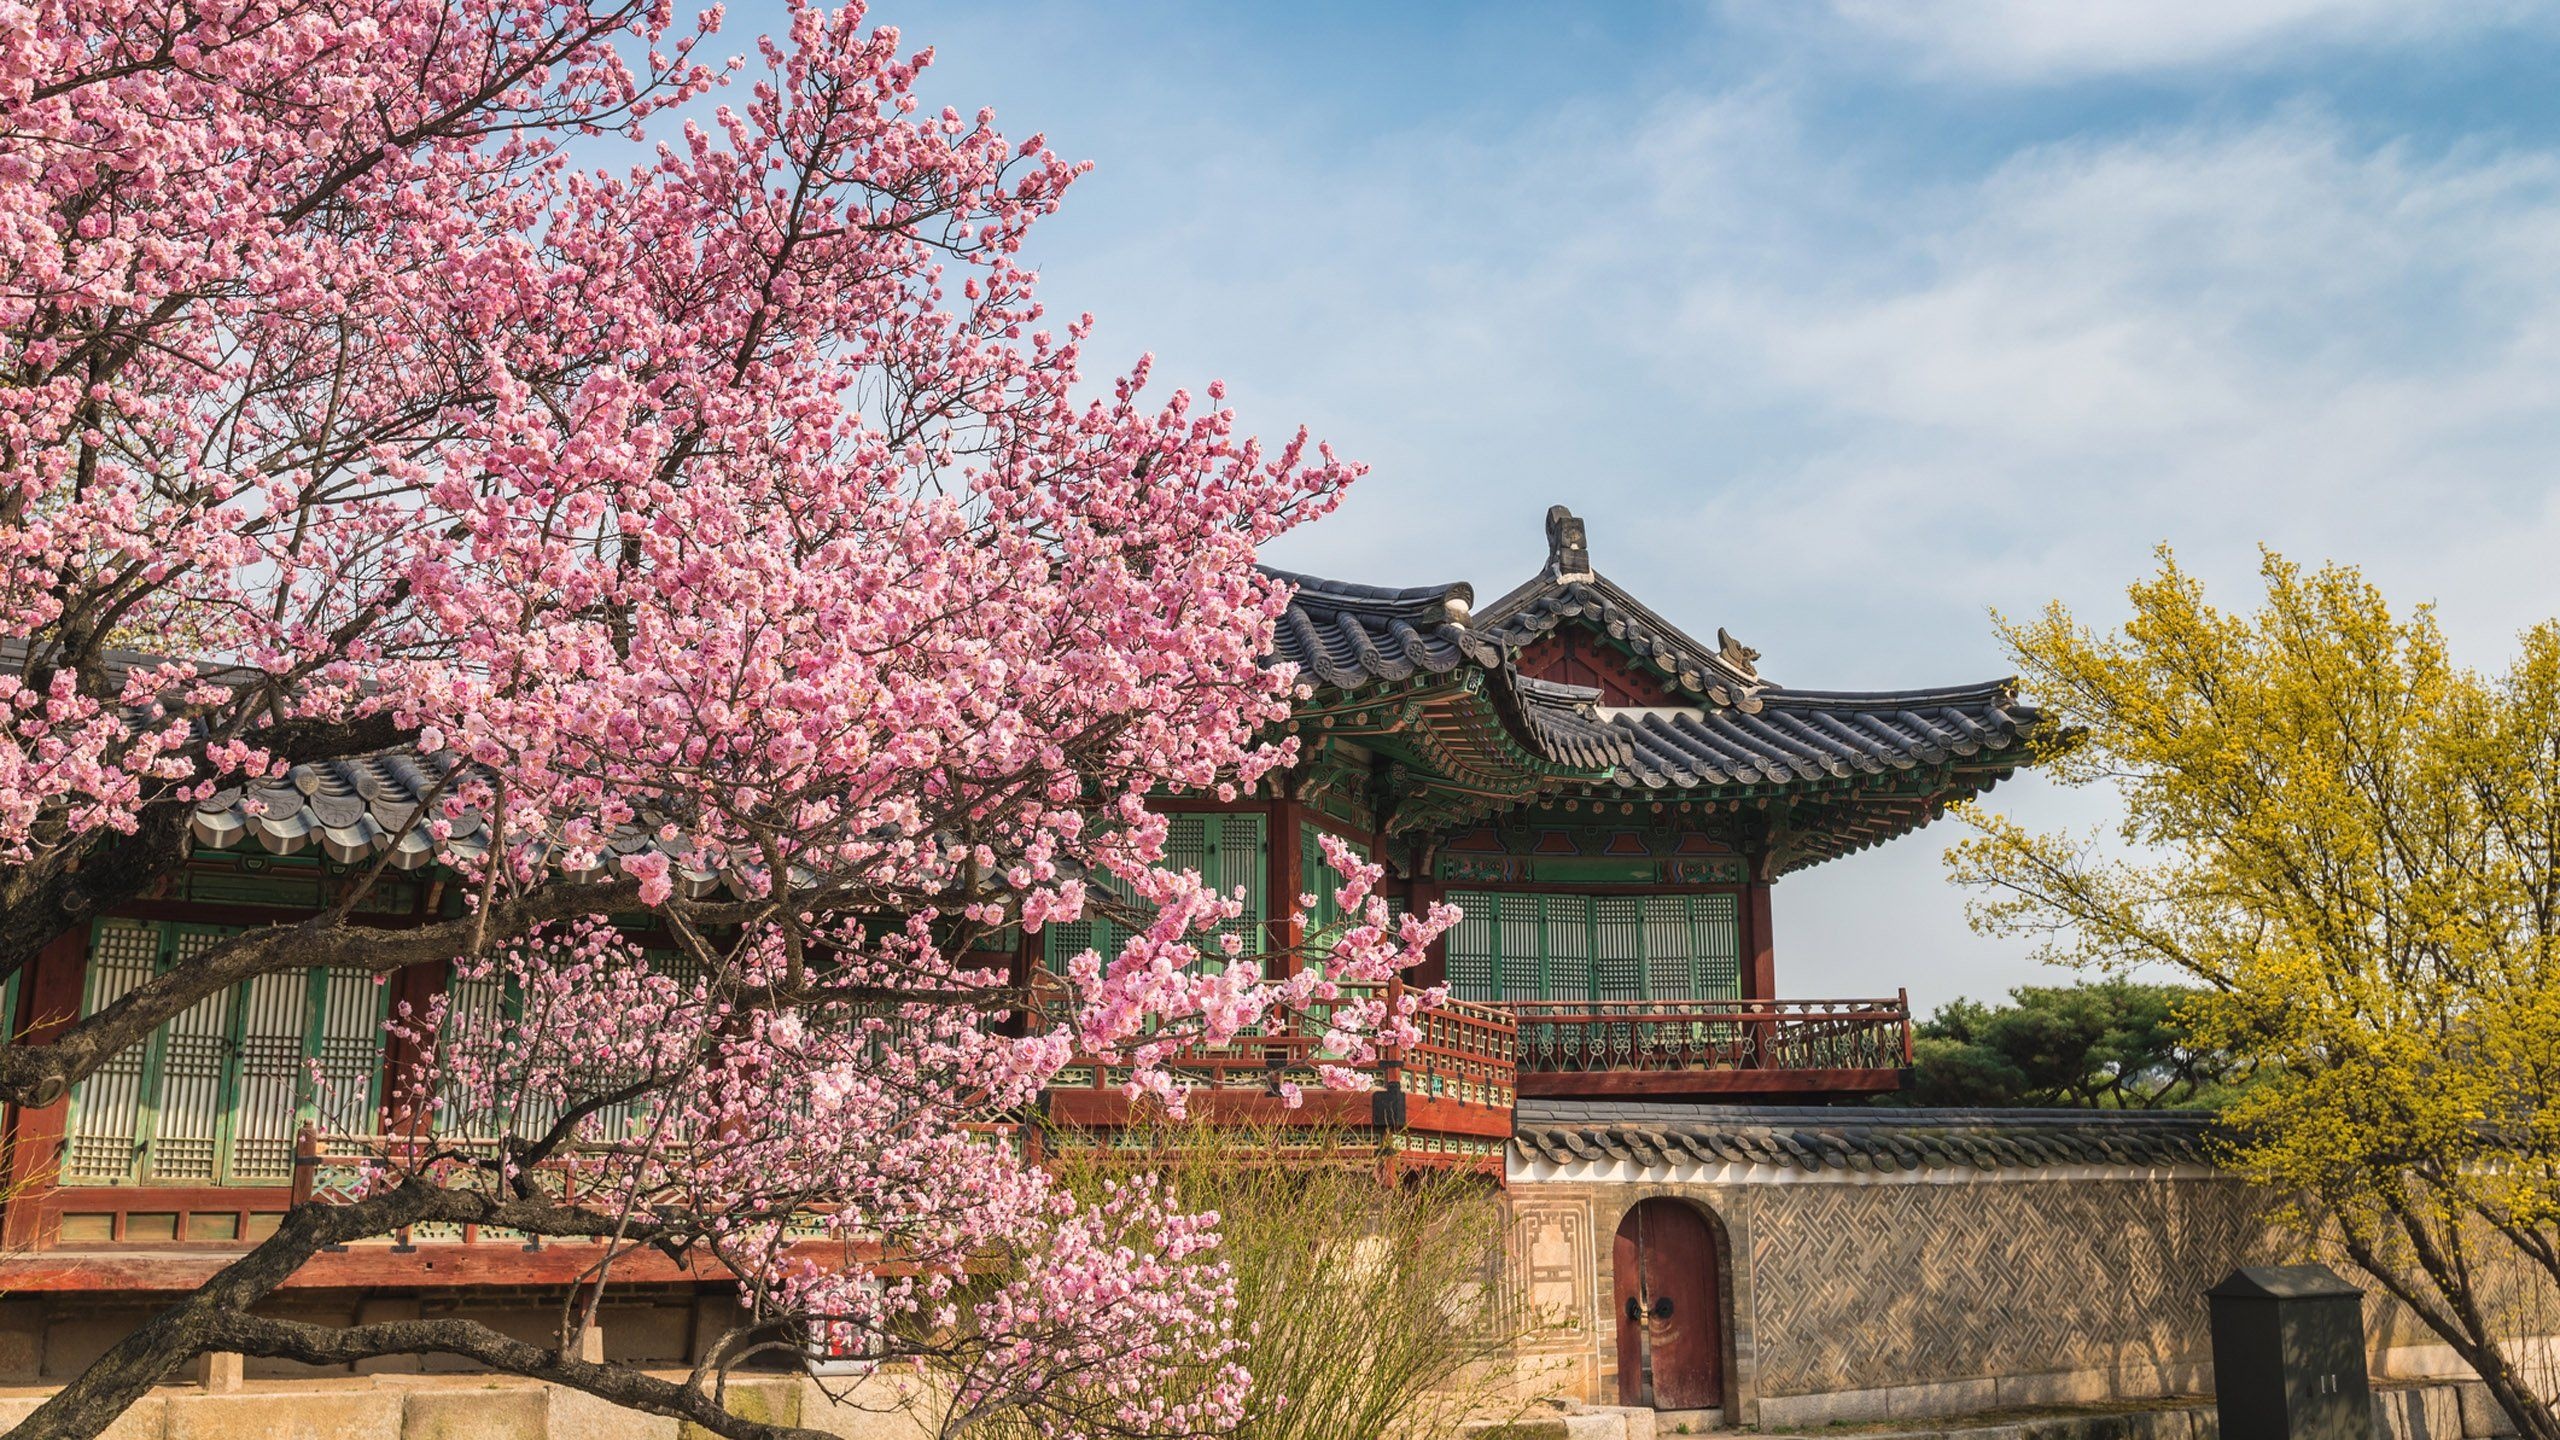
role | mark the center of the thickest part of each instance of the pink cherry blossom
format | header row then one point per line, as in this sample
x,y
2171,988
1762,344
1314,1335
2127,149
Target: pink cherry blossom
x,y
743,549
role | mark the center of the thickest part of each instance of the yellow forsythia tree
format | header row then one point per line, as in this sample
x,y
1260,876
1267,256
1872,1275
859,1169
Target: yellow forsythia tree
x,y
2348,841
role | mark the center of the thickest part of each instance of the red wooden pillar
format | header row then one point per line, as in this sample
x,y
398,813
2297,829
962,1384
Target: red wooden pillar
x,y
1434,969
415,988
48,1001
1759,959
1288,925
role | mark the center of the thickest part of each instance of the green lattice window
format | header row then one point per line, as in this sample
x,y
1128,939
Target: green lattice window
x,y
1229,851
216,1094
479,1012
1595,947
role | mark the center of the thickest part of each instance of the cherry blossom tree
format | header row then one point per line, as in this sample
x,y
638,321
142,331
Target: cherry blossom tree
x,y
745,550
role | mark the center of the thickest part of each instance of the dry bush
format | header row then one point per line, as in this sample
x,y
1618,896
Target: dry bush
x,y
1377,1306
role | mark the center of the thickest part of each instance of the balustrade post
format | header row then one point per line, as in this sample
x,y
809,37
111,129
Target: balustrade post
x,y
306,1162
1902,1002
1391,1059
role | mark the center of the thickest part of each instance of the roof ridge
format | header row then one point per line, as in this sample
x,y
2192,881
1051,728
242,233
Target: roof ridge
x,y
2004,688
1354,593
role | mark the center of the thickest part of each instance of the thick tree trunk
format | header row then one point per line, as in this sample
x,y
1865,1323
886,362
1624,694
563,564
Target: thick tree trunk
x,y
217,1317
154,1352
333,1345
2465,1330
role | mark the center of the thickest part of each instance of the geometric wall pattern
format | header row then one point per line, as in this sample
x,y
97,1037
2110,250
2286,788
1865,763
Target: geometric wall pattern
x,y
1836,1287
1865,1286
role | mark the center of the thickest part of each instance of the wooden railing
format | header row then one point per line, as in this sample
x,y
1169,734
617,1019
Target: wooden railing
x,y
1468,1053
1590,1037
1449,1093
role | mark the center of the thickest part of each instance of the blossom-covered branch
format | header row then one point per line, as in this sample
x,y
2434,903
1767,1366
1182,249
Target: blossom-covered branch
x,y
781,606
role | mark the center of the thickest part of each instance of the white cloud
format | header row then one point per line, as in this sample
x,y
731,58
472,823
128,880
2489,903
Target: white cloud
x,y
2054,40
1842,409
2208,337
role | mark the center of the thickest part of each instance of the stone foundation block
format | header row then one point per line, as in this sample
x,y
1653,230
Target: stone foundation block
x,y
297,1414
577,1415
522,1413
774,1402
2063,1387
1639,1424
1609,1424
1551,1428
2431,1413
2480,1412
147,1420
220,1372
885,1406
21,1340
1946,1397
1845,1407
2442,1405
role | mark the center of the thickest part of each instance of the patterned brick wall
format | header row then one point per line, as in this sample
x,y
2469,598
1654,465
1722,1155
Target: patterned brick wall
x,y
1863,1286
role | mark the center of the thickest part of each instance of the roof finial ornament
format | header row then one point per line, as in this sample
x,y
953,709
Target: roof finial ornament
x,y
1568,549
1736,654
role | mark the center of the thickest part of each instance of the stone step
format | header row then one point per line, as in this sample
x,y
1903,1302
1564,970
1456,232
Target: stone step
x,y
1582,1426
2420,1412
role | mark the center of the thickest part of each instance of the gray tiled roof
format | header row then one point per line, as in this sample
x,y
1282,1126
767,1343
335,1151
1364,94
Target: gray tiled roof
x,y
1811,734
356,809
1855,1139
1742,731
1544,603
1348,635
1567,726
349,809
1736,729
1342,634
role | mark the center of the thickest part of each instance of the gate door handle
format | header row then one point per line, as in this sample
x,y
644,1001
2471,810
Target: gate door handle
x,y
1662,1308
1635,1308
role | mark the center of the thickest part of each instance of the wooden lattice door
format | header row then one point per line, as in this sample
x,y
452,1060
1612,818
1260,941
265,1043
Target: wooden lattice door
x,y
1670,1305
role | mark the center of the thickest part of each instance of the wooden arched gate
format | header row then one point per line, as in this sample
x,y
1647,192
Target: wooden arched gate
x,y
1670,1308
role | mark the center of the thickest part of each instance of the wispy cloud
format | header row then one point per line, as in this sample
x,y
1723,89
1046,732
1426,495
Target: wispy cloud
x,y
1841,402
2038,41
2210,336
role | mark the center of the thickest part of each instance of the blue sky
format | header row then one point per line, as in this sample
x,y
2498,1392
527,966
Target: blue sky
x,y
1842,323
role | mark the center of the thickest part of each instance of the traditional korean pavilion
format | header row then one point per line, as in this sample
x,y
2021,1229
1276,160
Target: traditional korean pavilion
x,y
1611,799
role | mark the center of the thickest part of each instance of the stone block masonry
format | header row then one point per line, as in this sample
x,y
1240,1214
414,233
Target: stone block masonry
x,y
2426,1412
410,1407
1871,1302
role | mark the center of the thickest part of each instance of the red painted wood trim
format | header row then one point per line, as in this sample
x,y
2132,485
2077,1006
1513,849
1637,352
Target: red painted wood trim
x,y
1288,924
1175,805
417,987
1678,1084
251,917
1574,887
1578,657
1760,970
175,1268
47,1004
1368,840
1320,1109
1420,895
